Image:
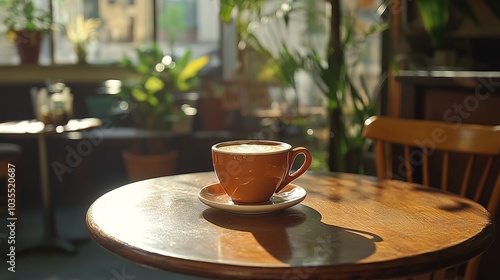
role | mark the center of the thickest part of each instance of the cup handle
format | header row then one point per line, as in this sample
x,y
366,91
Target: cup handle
x,y
303,168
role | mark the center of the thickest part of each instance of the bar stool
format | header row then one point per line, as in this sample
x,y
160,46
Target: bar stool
x,y
9,154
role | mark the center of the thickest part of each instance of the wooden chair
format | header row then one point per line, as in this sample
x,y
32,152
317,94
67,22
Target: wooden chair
x,y
460,158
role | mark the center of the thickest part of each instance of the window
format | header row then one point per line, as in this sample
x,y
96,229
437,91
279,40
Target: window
x,y
183,24
177,25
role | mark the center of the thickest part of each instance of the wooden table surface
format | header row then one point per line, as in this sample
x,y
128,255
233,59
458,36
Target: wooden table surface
x,y
348,227
35,127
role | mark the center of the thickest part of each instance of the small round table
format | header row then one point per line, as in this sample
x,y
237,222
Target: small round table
x,y
348,227
35,128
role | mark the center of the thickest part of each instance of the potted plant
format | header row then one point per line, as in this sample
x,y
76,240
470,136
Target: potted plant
x,y
26,24
150,93
80,33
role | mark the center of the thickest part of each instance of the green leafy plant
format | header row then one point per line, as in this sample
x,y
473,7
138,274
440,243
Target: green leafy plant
x,y
435,15
349,101
26,24
23,15
150,90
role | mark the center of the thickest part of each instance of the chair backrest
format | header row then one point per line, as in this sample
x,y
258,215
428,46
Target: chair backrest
x,y
463,157
425,145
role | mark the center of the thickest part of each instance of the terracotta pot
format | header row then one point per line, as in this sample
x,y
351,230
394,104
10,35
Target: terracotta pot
x,y
140,167
28,46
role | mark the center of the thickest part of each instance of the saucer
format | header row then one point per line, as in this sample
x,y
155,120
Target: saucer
x,y
214,196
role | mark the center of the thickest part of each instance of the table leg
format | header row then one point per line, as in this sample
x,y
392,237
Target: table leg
x,y
50,239
48,210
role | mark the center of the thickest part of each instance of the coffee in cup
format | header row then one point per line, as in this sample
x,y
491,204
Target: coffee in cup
x,y
251,171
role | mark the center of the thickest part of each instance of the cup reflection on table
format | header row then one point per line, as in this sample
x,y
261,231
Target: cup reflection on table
x,y
251,171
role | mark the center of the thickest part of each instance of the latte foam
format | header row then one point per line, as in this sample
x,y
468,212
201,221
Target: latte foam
x,y
254,148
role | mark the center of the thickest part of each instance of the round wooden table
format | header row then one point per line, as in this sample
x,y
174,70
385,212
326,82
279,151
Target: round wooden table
x,y
348,227
35,128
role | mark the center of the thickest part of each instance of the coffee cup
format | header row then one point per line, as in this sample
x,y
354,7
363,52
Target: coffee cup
x,y
251,171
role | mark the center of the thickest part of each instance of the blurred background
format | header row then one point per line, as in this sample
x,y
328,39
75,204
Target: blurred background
x,y
179,76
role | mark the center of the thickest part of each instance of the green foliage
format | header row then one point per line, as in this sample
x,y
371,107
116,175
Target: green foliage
x,y
154,81
435,15
173,19
227,7
272,43
349,101
24,15
348,95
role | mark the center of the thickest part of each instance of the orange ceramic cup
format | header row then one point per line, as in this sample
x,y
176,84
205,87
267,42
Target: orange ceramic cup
x,y
251,171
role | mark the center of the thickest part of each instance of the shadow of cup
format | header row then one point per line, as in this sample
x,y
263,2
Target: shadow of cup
x,y
270,230
295,236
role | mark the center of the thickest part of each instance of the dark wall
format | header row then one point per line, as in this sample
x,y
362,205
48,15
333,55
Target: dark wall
x,y
15,99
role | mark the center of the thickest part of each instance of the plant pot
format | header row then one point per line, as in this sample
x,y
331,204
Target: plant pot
x,y
140,167
28,46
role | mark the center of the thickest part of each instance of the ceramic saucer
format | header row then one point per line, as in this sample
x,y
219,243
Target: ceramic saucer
x,y
214,196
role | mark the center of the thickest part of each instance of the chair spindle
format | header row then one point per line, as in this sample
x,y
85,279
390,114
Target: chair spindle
x,y
444,173
425,166
484,176
466,178
408,166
